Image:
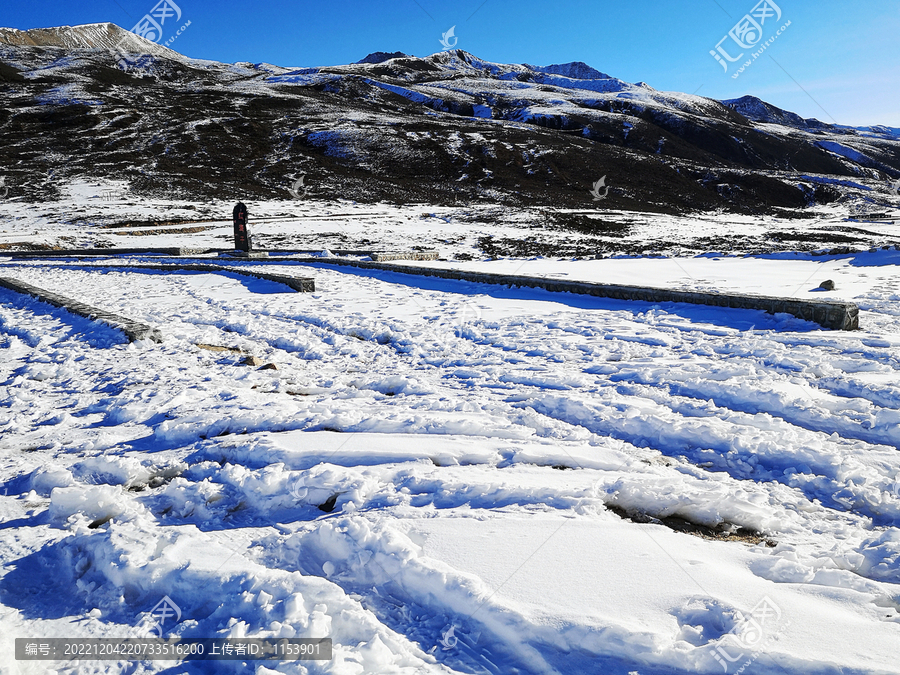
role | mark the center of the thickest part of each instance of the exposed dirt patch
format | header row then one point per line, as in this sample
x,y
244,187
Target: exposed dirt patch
x,y
149,223
722,532
543,246
10,74
577,222
220,348
179,230
27,246
821,237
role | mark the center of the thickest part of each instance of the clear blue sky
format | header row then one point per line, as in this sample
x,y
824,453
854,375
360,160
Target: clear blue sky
x,y
837,61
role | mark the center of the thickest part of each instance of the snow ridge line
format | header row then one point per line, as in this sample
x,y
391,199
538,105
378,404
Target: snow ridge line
x,y
829,314
132,329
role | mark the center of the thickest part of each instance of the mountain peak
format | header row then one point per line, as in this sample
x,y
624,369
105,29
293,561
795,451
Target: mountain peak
x,y
449,55
577,70
757,110
85,36
381,57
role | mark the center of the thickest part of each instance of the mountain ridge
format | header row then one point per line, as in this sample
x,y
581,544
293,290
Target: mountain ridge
x,y
107,35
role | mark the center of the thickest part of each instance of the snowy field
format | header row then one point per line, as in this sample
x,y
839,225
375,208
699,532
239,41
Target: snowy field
x,y
449,477
107,214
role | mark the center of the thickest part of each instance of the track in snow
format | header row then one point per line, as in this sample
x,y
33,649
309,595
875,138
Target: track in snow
x,y
778,429
708,393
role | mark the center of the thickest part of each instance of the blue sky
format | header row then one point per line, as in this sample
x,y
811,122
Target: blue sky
x,y
836,61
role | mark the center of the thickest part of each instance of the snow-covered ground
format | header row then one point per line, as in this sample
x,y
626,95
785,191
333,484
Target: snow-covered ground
x,y
106,213
448,477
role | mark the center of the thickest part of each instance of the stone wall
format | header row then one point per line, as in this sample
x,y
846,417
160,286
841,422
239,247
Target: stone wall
x,y
830,314
132,329
827,313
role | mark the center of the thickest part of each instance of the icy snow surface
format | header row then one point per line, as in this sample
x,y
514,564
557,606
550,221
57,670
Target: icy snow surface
x,y
435,474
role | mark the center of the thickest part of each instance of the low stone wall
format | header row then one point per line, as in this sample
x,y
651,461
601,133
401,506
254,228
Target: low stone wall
x,y
299,284
132,329
827,313
108,252
379,256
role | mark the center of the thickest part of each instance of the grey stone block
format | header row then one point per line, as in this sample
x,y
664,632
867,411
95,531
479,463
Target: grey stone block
x,y
247,254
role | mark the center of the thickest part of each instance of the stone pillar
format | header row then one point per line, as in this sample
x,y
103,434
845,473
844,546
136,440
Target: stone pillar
x,y
241,234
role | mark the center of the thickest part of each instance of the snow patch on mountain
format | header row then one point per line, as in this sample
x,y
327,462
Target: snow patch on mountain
x,y
846,151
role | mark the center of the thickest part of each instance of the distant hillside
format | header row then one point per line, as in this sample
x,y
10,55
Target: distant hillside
x,y
445,128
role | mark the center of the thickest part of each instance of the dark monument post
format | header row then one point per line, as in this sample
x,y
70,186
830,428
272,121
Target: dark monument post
x,y
241,235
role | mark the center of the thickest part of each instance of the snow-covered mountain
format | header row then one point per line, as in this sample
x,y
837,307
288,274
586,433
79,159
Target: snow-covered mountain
x,y
757,110
381,57
576,70
395,127
88,36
